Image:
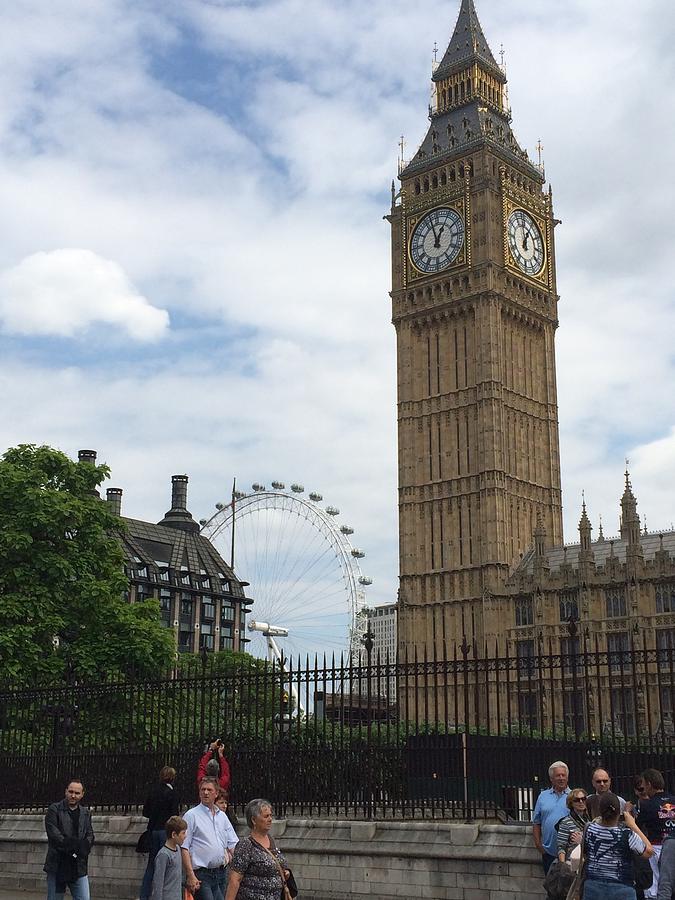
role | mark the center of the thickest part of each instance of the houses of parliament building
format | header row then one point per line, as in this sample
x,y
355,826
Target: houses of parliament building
x,y
475,308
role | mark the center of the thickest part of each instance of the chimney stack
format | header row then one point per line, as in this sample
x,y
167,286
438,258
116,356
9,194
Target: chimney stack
x,y
178,516
86,456
113,497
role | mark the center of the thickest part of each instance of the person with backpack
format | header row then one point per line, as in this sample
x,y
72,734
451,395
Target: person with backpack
x,y
608,852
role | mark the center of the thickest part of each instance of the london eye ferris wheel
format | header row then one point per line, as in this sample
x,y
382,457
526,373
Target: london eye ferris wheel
x,y
302,567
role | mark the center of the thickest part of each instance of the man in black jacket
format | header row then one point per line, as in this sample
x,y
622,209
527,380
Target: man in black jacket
x,y
69,839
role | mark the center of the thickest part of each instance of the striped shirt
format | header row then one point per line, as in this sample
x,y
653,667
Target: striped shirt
x,y
608,856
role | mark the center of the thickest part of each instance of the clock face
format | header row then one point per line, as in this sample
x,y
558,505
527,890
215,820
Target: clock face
x,y
525,242
437,239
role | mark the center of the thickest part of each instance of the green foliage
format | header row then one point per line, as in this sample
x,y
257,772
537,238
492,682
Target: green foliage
x,y
62,584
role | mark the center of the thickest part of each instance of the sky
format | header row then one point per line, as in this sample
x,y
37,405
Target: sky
x,y
194,267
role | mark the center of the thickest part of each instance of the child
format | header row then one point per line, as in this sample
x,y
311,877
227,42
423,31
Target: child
x,y
167,880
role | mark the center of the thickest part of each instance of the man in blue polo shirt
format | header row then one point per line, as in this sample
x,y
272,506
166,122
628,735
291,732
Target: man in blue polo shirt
x,y
207,846
550,808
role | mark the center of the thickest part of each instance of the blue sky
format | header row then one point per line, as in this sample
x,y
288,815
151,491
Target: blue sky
x,y
194,267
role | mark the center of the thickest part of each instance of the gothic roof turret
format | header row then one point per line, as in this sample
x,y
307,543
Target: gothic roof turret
x,y
467,44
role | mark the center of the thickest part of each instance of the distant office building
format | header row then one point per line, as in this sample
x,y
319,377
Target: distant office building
x,y
382,627
199,595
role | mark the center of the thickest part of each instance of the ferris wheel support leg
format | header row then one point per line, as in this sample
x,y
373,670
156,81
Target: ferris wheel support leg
x,y
274,653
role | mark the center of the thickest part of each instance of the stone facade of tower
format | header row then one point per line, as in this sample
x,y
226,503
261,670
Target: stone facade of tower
x,y
475,311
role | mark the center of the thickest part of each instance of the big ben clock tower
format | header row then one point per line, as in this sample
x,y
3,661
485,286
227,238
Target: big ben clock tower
x,y
475,311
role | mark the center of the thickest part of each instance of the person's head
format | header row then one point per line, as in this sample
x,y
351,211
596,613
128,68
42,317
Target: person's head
x,y
559,774
222,800
576,801
609,808
213,768
653,782
639,787
208,791
601,781
259,814
175,829
167,774
74,792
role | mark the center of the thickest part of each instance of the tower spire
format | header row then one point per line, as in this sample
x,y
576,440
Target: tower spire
x,y
468,43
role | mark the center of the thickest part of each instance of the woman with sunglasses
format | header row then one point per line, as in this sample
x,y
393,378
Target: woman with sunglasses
x,y
571,827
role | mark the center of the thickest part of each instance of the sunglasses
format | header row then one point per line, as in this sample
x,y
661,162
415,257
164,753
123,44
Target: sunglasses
x,y
579,799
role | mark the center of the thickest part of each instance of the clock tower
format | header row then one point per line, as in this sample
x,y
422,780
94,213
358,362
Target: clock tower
x,y
475,311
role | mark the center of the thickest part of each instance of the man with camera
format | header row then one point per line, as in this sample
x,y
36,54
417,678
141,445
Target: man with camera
x,y
214,764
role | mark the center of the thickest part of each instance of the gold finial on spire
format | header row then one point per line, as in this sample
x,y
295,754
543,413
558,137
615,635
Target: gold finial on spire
x,y
501,58
435,52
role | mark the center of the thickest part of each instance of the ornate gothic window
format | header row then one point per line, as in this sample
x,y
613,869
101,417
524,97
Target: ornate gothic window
x,y
569,607
616,603
618,650
665,598
525,657
524,611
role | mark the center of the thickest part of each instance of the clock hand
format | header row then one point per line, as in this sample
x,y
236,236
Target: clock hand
x,y
526,235
434,231
437,242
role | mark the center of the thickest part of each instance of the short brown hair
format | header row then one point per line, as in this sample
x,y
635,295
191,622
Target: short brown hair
x,y
175,825
167,774
655,778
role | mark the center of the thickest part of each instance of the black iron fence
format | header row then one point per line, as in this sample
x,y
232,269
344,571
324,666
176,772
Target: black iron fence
x,y
466,734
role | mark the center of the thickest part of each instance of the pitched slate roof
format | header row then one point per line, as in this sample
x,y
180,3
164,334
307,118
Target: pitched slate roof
x,y
602,550
467,41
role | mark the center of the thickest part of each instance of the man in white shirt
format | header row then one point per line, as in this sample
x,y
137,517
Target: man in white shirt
x,y
206,849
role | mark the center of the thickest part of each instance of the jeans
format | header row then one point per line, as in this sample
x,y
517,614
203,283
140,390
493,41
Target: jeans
x,y
213,884
157,839
547,861
608,890
79,889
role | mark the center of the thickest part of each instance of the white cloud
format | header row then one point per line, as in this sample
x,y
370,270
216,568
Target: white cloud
x,y
64,292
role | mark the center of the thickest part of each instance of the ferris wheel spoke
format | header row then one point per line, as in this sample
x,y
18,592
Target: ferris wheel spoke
x,y
303,574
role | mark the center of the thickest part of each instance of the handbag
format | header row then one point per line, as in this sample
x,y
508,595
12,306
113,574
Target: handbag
x,y
144,842
289,891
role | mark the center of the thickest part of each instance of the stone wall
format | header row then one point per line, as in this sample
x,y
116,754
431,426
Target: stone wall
x,y
332,860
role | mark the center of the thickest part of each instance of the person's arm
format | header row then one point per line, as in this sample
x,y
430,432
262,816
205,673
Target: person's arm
x,y
191,881
632,824
224,777
161,861
233,882
55,836
563,839
536,836
201,768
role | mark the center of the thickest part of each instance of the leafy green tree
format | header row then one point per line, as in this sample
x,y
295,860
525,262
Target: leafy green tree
x,y
63,610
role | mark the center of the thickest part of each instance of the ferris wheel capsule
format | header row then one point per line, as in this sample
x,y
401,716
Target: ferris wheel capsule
x,y
357,554
317,498
278,485
365,580
332,511
220,505
258,487
239,495
297,488
346,529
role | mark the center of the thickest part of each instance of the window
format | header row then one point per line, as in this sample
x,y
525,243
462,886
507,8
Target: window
x,y
665,645
524,611
143,592
226,612
186,609
525,657
616,603
205,641
528,709
618,651
226,643
573,711
165,605
570,654
623,711
208,609
184,575
665,598
569,608
184,641
226,629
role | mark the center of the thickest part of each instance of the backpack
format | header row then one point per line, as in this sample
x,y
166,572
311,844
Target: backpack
x,y
558,881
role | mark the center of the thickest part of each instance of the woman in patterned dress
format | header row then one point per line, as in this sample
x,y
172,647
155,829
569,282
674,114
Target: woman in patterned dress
x,y
255,869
